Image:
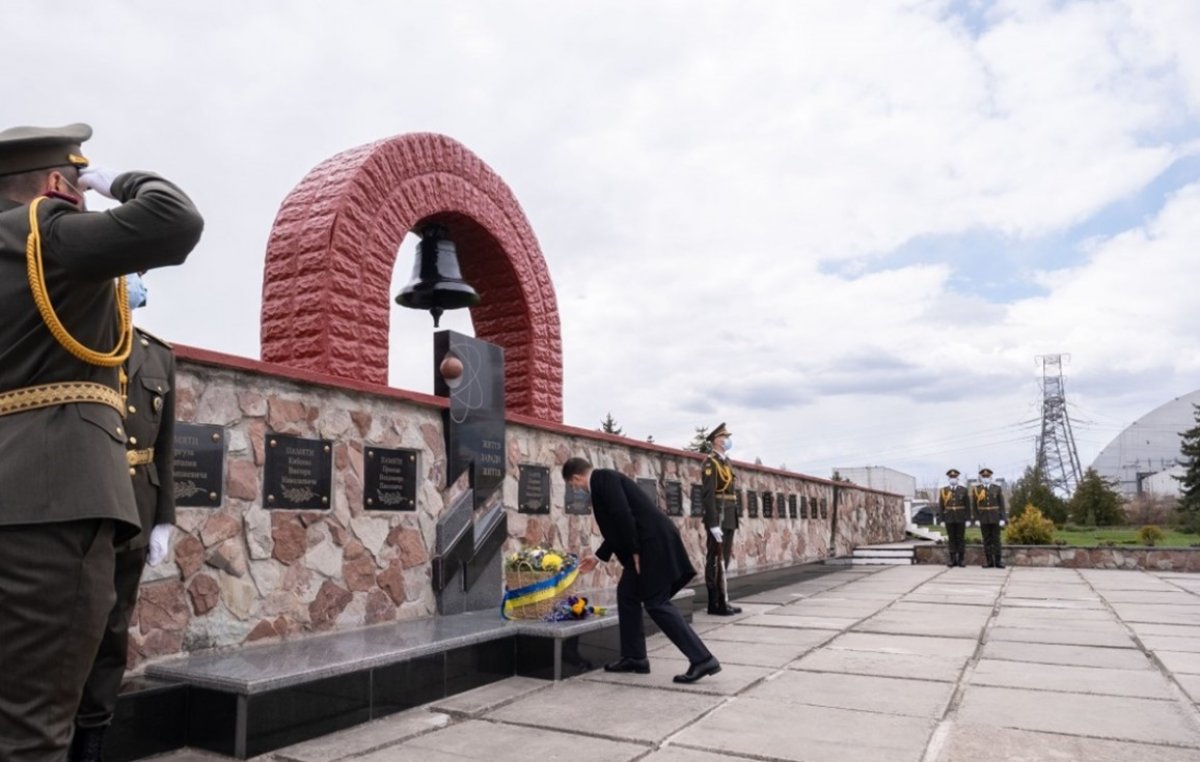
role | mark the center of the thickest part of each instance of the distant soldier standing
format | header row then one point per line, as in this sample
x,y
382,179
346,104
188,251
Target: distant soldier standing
x,y
988,501
955,506
720,519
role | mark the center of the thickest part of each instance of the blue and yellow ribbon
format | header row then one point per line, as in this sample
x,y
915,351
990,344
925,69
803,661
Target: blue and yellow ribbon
x,y
546,589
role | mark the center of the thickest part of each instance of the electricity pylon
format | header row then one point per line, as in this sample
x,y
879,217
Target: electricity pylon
x,y
1056,444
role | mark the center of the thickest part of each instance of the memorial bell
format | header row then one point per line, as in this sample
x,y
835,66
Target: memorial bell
x,y
437,284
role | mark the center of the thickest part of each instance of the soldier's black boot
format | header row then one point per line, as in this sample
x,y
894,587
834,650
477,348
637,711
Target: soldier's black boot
x,y
953,560
987,562
962,559
87,745
999,562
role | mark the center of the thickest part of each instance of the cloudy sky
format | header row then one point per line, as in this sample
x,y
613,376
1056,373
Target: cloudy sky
x,y
847,229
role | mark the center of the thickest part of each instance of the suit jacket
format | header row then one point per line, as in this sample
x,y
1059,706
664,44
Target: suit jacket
x,y
150,424
713,485
954,504
988,503
67,462
631,523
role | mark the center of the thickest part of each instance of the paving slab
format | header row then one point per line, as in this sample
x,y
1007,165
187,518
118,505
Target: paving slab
x,y
1142,629
365,738
1109,636
1169,643
681,754
800,622
941,667
1140,683
1180,662
919,645
1158,614
774,730
1191,685
1169,597
850,594
732,652
614,710
495,742
1119,718
731,680
475,702
1083,656
701,617
980,743
1119,579
742,633
1071,604
1020,589
914,623
885,695
1011,616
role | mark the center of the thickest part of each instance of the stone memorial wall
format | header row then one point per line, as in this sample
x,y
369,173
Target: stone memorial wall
x,y
310,503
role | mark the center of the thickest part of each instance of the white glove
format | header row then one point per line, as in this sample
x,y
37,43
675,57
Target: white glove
x,y
99,180
1001,522
160,540
717,534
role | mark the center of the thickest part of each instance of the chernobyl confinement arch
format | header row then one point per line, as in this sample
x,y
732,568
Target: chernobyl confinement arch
x,y
327,287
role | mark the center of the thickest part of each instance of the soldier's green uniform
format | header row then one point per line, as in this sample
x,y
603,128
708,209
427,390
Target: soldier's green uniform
x,y
719,498
65,491
150,426
988,503
954,504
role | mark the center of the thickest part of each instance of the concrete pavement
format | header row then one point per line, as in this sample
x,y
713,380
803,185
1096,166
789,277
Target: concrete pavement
x,y
916,663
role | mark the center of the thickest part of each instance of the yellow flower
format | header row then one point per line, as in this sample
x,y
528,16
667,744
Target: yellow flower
x,y
551,562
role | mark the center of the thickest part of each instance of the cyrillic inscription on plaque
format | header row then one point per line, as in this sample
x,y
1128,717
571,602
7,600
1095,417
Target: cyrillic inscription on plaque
x,y
674,491
298,473
389,479
199,465
533,490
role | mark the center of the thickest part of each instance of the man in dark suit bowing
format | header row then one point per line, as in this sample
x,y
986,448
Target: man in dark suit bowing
x,y
656,566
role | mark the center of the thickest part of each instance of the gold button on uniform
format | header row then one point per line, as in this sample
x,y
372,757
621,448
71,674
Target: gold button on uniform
x,y
119,431
132,409
133,441
132,471
145,343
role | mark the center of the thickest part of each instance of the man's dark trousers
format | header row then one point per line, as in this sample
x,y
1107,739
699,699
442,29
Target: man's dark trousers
x,y
662,612
104,683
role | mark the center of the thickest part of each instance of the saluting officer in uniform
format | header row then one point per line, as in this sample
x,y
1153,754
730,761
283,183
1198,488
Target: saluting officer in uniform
x,y
988,501
150,426
955,506
720,519
65,491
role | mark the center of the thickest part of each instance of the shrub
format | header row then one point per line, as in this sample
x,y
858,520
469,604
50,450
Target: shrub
x,y
1030,528
1150,535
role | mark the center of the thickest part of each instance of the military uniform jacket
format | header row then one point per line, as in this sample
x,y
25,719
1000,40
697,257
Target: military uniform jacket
x,y
68,462
631,523
150,425
988,503
954,504
717,493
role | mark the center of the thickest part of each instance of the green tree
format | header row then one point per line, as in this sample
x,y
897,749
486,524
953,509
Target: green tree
x,y
1095,502
1188,507
700,441
1034,489
609,425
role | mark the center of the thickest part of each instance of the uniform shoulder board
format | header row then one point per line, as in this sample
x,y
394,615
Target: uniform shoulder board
x,y
142,332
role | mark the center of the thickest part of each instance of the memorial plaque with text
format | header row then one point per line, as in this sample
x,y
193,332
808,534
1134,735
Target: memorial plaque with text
x,y
793,508
752,504
474,423
650,487
768,505
199,465
533,489
298,473
578,502
389,479
697,500
674,494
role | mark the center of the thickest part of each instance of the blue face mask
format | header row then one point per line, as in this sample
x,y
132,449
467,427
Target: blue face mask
x,y
136,288
728,444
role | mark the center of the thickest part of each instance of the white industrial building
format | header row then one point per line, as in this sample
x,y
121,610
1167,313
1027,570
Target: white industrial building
x,y
881,478
1148,446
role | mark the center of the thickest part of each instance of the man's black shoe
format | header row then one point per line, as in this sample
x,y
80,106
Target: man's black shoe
x,y
709,666
727,611
87,745
640,666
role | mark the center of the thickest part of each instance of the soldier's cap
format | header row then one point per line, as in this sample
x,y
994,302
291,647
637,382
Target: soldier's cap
x,y
25,149
985,472
952,473
719,431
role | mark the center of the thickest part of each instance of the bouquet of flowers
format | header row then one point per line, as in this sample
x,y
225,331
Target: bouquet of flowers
x,y
535,579
574,607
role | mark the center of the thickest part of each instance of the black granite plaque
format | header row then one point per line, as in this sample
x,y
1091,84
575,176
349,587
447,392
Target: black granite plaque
x,y
650,487
475,421
793,508
768,505
533,489
697,500
752,504
298,473
781,510
389,479
579,501
199,465
674,494
824,508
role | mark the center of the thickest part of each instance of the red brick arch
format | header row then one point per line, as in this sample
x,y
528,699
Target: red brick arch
x,y
327,286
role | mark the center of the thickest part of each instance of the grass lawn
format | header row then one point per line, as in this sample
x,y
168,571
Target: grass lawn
x,y
1091,538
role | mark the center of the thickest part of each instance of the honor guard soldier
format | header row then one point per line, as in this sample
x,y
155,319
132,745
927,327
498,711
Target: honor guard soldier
x,y
955,507
150,427
65,491
988,500
720,519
